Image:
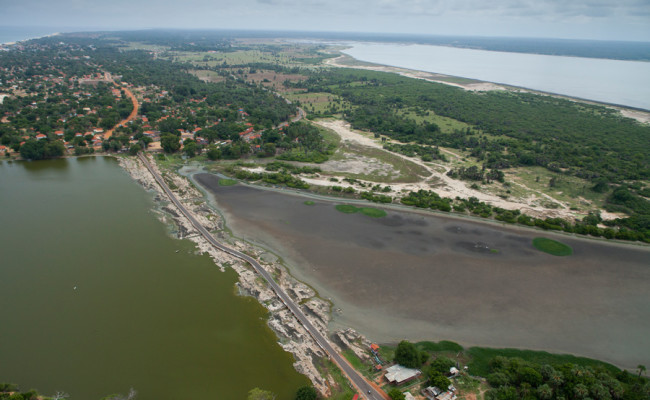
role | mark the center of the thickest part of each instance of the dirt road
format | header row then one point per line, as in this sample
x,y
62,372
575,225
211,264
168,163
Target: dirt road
x,y
134,112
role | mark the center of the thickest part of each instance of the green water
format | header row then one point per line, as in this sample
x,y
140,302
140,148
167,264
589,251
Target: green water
x,y
166,323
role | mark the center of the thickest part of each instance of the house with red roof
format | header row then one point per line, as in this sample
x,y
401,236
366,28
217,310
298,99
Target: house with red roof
x,y
41,136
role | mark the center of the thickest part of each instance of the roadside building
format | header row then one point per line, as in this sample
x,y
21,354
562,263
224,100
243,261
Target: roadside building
x,y
398,374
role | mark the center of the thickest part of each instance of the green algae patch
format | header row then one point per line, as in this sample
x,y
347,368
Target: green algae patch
x,y
552,247
368,211
372,212
347,209
227,182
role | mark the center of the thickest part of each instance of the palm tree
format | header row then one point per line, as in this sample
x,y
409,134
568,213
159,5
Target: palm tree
x,y
641,369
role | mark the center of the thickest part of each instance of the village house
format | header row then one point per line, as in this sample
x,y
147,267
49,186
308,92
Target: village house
x,y
398,374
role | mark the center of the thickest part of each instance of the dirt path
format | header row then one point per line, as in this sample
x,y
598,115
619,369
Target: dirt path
x,y
448,187
134,112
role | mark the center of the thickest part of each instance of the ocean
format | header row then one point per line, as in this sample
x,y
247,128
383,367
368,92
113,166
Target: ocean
x,y
625,83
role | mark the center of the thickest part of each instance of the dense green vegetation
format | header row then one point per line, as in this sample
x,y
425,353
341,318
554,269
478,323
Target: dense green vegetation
x,y
633,228
408,355
510,129
552,247
513,378
522,374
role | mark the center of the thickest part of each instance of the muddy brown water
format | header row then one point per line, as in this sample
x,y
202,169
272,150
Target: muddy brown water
x,y
422,276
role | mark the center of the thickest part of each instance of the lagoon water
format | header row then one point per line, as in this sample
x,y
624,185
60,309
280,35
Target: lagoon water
x,y
430,277
611,81
147,312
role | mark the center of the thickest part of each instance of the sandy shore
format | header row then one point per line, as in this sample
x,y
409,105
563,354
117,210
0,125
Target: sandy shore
x,y
292,336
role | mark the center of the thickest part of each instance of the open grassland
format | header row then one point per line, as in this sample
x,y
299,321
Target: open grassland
x,y
446,124
270,78
571,190
144,46
207,76
405,171
239,57
319,103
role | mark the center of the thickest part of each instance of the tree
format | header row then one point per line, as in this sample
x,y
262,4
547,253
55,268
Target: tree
x,y
437,379
259,394
190,148
407,355
213,153
306,393
135,149
32,150
396,394
544,392
641,369
170,143
442,364
54,149
268,150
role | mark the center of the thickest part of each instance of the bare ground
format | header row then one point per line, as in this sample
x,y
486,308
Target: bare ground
x,y
436,177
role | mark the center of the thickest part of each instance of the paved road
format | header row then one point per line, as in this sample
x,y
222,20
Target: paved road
x,y
368,391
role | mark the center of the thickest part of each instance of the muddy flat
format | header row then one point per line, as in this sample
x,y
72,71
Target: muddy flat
x,y
423,276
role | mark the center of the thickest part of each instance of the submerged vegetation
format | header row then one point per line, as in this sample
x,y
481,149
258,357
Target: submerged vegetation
x,y
368,211
551,246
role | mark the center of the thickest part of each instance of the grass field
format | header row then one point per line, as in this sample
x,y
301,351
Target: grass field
x,y
552,247
230,58
408,171
572,190
446,124
319,103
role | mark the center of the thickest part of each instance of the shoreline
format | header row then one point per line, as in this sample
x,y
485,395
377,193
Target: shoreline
x,y
291,335
15,42
639,114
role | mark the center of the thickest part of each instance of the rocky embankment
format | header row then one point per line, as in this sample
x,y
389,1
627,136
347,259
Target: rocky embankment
x,y
292,336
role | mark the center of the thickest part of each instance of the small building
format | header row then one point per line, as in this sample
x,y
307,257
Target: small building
x,y
434,393
398,374
431,392
41,136
408,396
